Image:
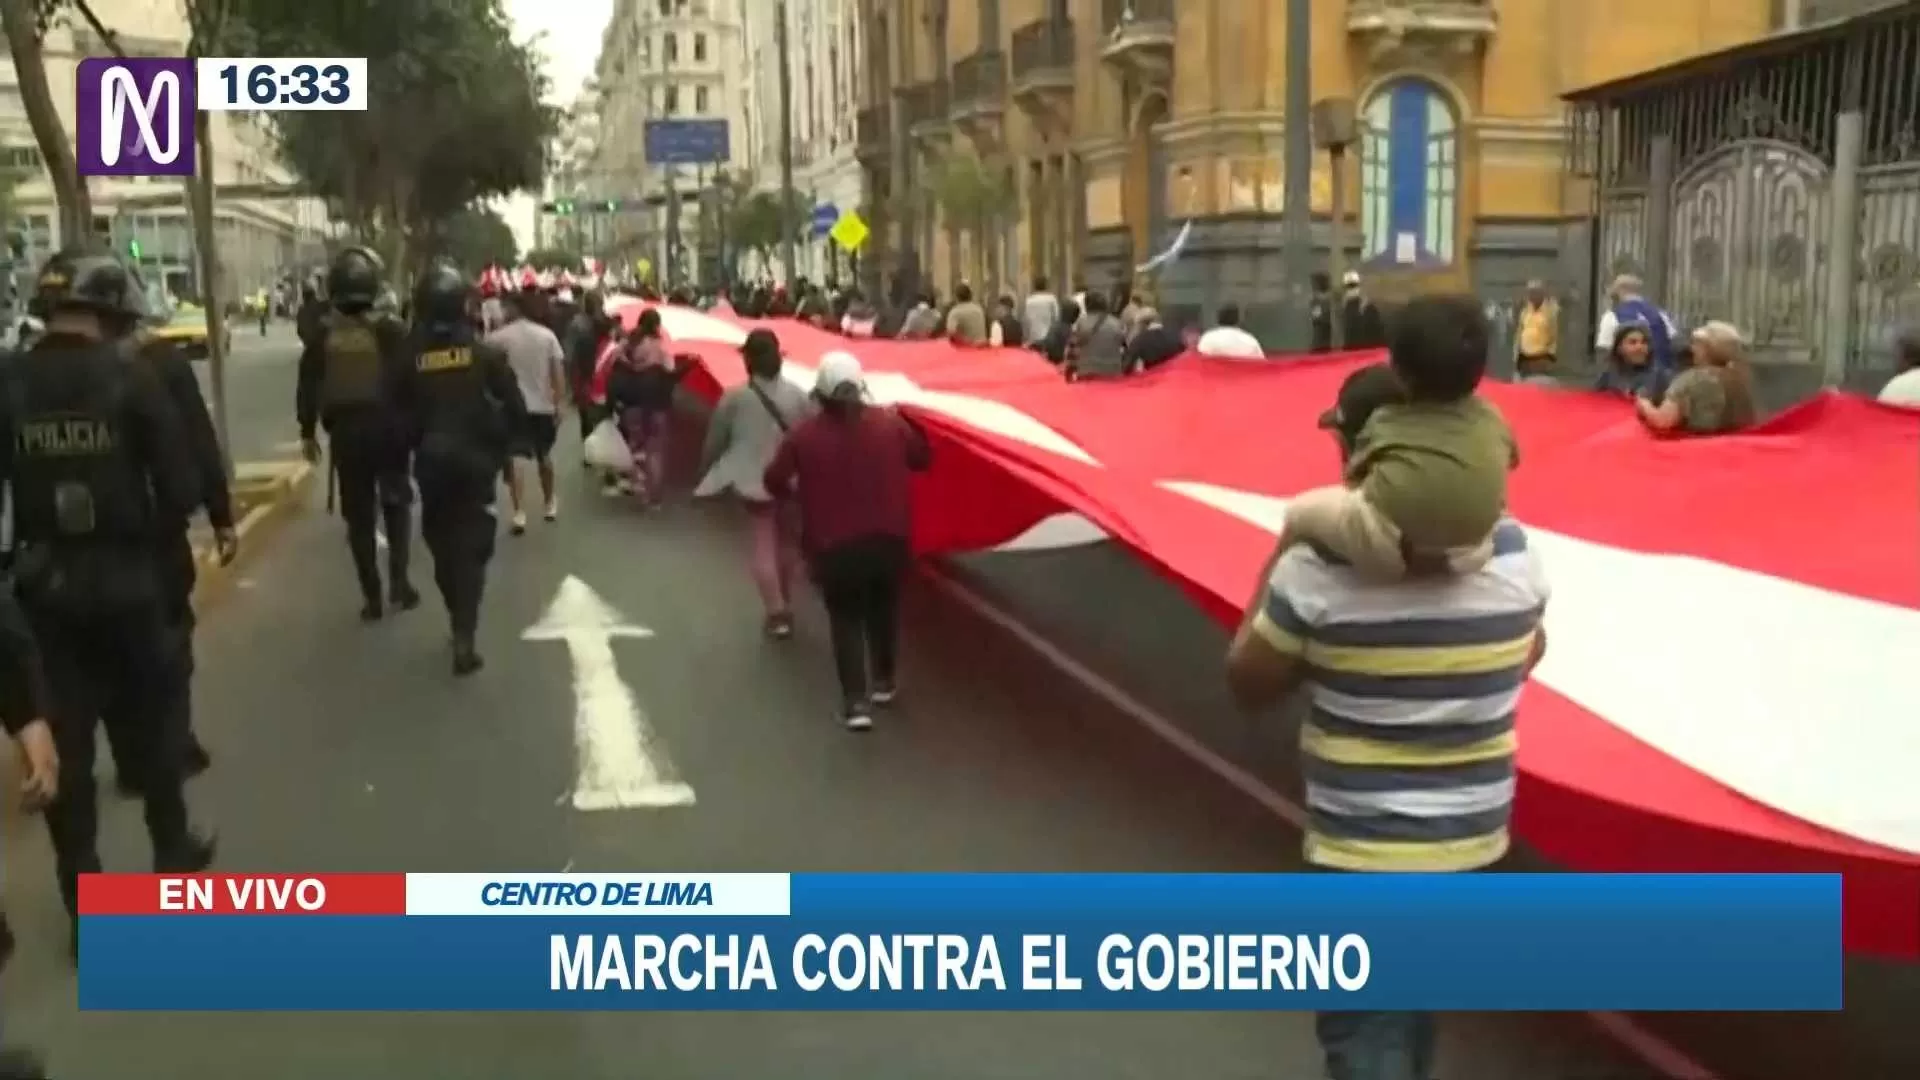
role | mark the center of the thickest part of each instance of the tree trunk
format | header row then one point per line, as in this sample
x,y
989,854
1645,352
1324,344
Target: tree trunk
x,y
206,246
43,116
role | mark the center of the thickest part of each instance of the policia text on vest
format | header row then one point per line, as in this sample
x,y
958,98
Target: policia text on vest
x,y
65,437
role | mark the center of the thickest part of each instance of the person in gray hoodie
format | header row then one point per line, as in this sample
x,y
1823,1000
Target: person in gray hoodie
x,y
746,428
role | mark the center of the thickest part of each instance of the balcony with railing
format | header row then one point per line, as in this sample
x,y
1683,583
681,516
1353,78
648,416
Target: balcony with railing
x,y
872,138
979,86
923,107
1449,23
1139,35
1043,56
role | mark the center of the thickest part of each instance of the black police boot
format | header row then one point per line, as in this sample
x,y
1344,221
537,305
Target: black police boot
x,y
191,854
400,591
17,1064
366,569
466,659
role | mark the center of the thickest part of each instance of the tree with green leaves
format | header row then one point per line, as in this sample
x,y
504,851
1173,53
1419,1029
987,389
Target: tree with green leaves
x,y
211,30
554,258
456,113
473,238
720,206
760,224
26,23
975,202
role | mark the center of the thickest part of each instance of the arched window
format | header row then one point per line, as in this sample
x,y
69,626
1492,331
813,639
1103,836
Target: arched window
x,y
1409,175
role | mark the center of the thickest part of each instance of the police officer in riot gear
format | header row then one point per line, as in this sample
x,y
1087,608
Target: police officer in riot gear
x,y
179,565
98,468
461,400
345,370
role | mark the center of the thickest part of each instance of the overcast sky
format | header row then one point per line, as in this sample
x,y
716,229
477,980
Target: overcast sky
x,y
569,32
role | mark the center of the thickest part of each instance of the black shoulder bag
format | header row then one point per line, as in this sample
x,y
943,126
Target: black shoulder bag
x,y
772,409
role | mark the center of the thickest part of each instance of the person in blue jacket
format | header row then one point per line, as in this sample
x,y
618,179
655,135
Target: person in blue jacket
x,y
1631,308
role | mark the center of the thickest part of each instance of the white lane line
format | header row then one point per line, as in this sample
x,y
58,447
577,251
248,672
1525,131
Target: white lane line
x,y
1652,1050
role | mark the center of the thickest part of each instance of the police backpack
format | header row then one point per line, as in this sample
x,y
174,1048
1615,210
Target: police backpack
x,y
354,362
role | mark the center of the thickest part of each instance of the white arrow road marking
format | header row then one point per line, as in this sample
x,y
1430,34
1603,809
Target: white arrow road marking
x,y
620,763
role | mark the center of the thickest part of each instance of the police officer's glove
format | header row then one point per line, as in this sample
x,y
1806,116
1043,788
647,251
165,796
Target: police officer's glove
x,y
39,765
226,543
310,449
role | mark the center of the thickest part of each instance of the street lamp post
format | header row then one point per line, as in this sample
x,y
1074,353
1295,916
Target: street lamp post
x,y
1296,225
789,212
1334,131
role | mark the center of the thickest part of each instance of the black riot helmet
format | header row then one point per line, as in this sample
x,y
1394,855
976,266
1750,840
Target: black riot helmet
x,y
353,280
96,282
440,295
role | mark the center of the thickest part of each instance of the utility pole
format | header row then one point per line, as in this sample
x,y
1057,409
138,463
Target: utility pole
x,y
789,212
1296,223
671,271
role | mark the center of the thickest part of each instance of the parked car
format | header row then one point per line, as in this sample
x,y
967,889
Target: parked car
x,y
186,326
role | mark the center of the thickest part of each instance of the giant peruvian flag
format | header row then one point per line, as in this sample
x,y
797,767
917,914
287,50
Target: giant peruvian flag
x,y
1734,625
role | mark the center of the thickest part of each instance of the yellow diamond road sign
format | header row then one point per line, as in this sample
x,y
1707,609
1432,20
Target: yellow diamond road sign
x,y
850,231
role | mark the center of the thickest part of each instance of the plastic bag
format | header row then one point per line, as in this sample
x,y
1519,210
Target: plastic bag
x,y
606,448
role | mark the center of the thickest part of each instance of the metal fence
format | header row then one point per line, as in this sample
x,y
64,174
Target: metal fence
x,y
1776,186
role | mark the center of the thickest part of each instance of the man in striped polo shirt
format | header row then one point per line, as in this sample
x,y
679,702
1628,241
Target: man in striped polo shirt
x,y
1407,749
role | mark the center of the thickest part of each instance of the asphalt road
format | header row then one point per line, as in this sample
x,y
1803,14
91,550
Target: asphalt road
x,y
344,747
260,380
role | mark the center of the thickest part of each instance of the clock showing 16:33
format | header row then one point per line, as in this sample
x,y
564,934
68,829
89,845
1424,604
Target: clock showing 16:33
x,y
281,84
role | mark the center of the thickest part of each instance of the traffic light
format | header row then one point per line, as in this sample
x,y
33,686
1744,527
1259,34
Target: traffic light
x,y
563,207
133,250
613,205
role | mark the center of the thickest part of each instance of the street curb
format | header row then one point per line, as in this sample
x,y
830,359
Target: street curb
x,y
279,493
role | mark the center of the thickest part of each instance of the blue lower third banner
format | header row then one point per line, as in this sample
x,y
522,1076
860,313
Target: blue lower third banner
x,y
1039,942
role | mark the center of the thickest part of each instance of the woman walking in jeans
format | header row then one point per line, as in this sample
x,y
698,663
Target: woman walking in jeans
x,y
746,428
852,464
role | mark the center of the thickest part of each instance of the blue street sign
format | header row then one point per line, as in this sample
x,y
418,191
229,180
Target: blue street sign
x,y
825,216
687,142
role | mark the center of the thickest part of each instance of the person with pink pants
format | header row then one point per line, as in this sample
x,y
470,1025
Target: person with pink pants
x,y
747,427
640,395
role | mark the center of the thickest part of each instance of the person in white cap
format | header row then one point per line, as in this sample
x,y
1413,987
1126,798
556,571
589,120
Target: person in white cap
x,y
849,466
1361,325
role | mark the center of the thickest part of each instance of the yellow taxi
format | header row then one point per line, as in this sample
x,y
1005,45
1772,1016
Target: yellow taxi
x,y
186,327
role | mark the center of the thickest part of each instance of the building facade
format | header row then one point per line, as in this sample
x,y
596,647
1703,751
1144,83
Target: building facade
x,y
258,239
570,164
825,47
666,60
1775,185
1103,126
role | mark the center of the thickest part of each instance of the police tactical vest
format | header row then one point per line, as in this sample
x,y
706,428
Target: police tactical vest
x,y
75,478
353,362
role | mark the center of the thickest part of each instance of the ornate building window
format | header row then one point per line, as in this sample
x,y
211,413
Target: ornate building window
x,y
1409,175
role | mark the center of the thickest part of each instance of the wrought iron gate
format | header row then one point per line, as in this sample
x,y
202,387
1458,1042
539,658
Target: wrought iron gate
x,y
1748,244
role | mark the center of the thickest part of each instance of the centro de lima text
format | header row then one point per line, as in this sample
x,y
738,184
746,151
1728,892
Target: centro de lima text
x,y
643,892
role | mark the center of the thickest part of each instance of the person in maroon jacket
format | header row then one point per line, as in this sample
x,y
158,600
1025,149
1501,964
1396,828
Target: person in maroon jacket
x,y
849,466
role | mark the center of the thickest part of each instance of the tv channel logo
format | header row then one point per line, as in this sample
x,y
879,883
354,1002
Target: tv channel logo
x,y
135,116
